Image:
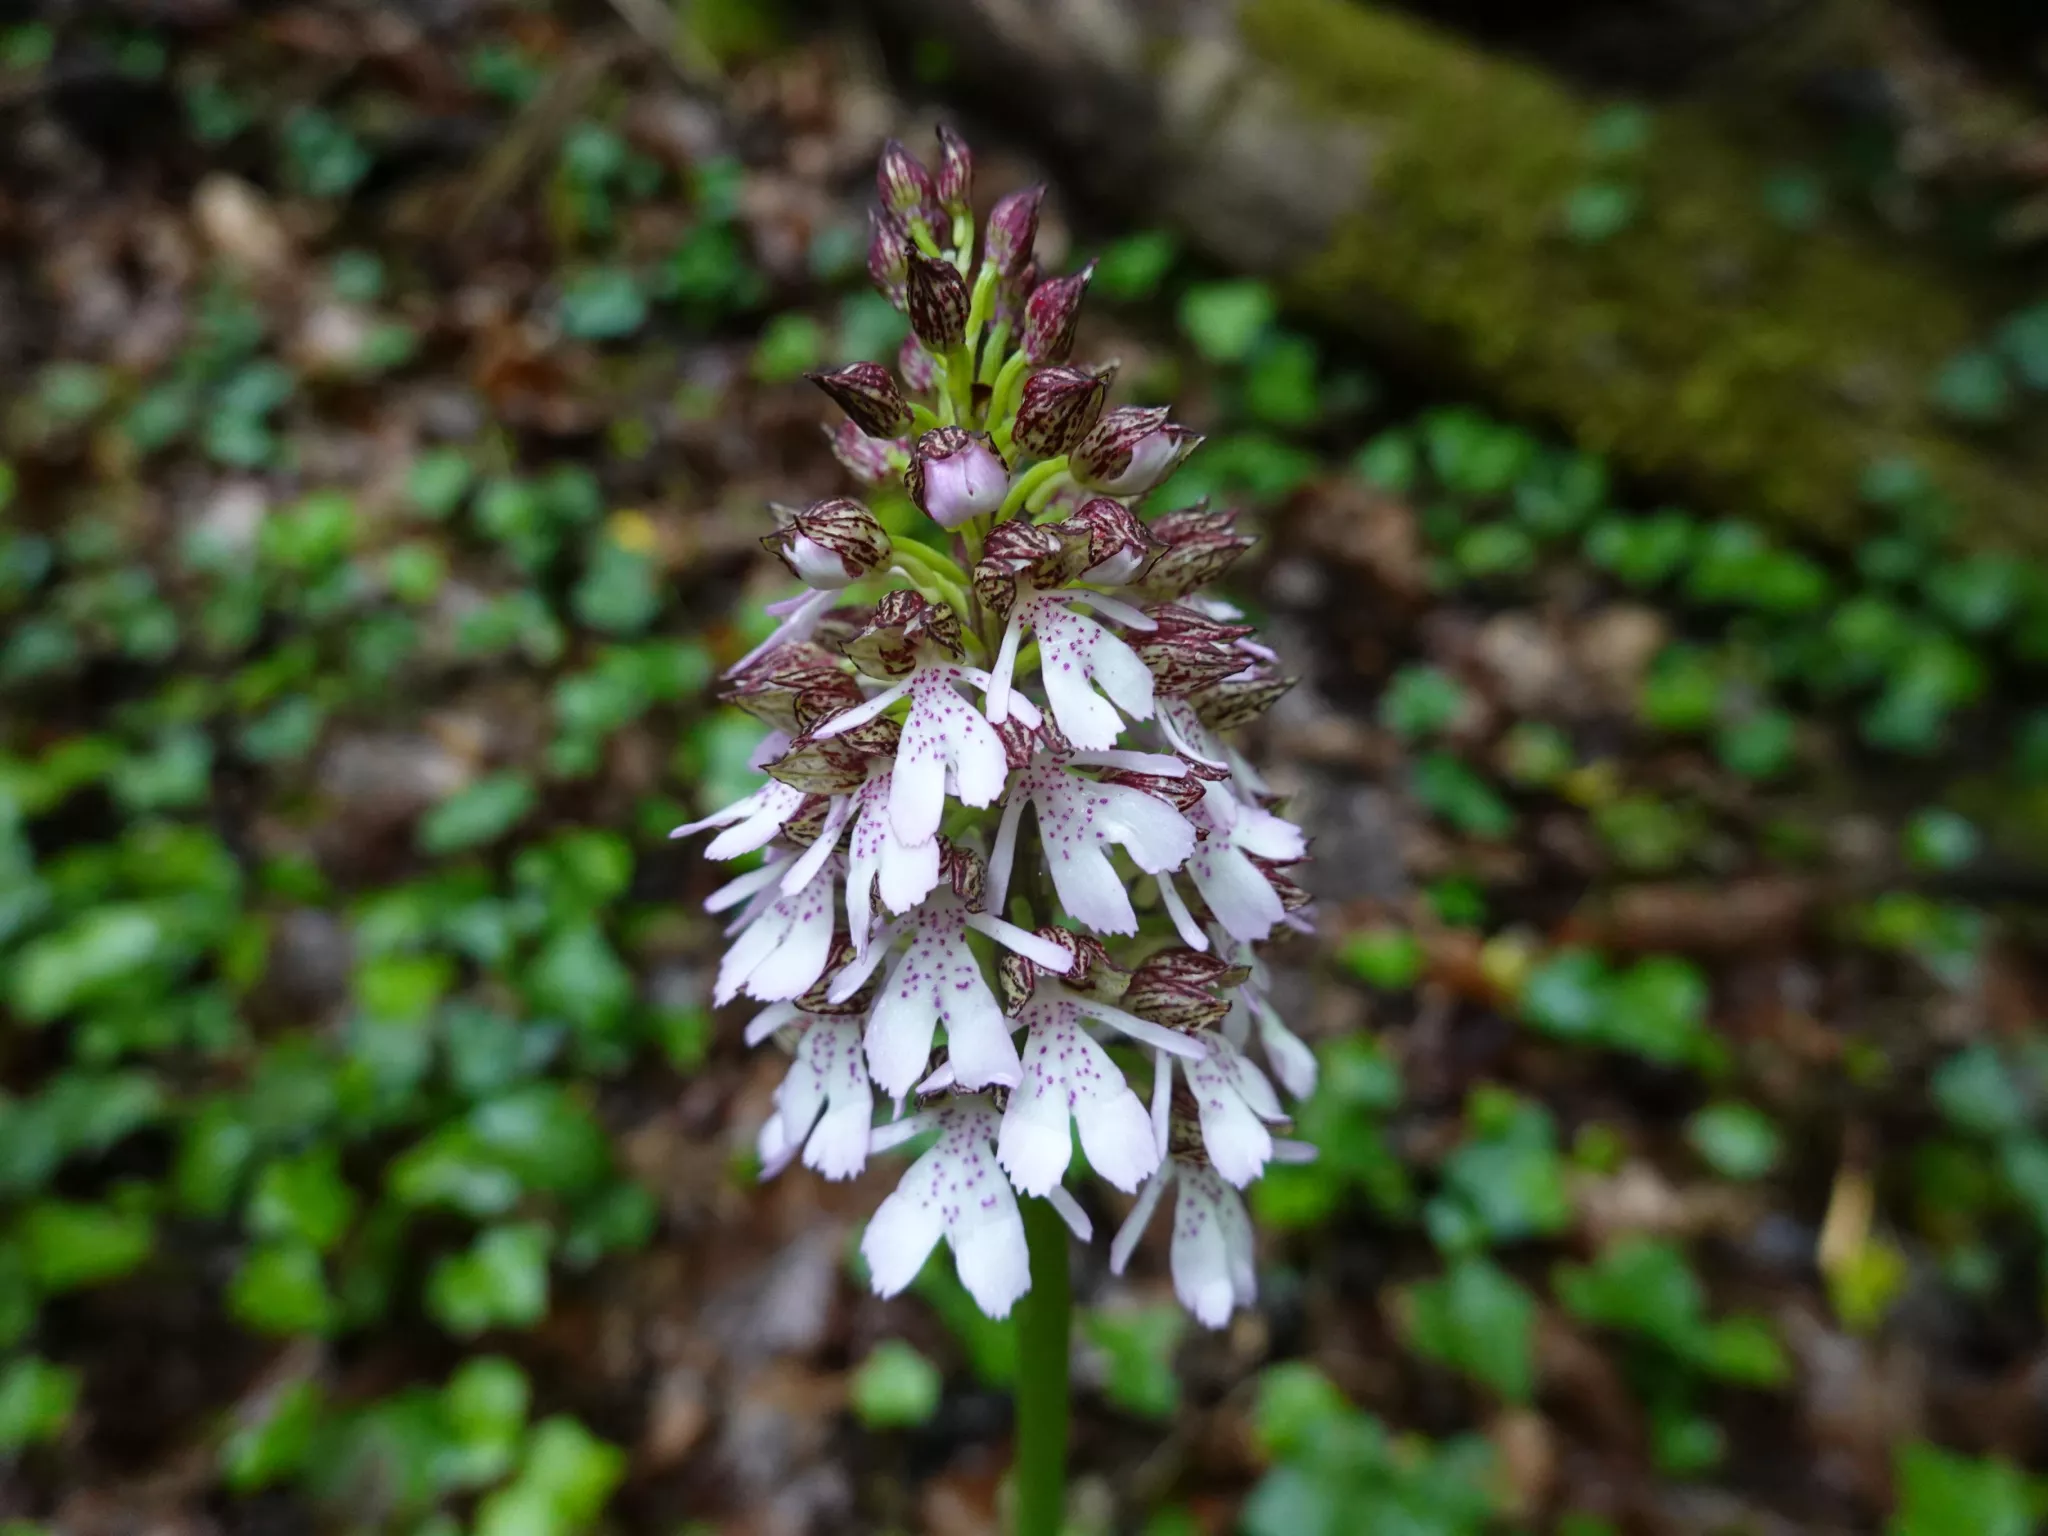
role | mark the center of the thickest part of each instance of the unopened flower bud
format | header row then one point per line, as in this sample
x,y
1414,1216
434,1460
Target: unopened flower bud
x,y
887,645
830,544
956,172
1189,651
1200,546
938,300
1050,315
1012,227
1182,989
867,459
1058,408
1131,450
954,475
1119,547
915,364
888,256
904,184
867,392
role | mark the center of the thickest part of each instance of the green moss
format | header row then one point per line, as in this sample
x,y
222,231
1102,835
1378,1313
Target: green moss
x,y
1703,341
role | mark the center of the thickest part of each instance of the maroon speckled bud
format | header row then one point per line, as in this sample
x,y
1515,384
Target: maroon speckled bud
x,y
1131,450
867,392
1017,979
1189,651
1237,702
1179,988
888,256
830,544
955,474
915,364
1119,546
1050,315
1200,546
1018,547
967,872
868,459
772,687
1058,408
1012,228
938,300
886,645
956,172
905,185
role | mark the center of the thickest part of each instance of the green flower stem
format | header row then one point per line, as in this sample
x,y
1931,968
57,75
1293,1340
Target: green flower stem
x,y
927,576
921,418
979,305
994,355
1051,487
960,382
1044,1328
1021,488
1008,387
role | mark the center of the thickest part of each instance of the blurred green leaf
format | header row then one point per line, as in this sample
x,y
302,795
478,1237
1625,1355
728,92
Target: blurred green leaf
x,y
1478,1320
1941,1493
1226,320
1133,268
1738,1141
1139,1343
67,1244
895,1387
281,1288
478,814
303,1199
274,1444
36,1398
501,1281
603,304
1976,1092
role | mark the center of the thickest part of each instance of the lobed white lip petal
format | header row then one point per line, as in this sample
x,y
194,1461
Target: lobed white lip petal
x,y
1235,1104
954,1191
900,1236
1212,1248
938,980
1201,1258
1070,1082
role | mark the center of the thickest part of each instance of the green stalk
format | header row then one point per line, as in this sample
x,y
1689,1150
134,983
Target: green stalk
x,y
994,354
1008,387
928,576
979,303
1044,1323
1021,488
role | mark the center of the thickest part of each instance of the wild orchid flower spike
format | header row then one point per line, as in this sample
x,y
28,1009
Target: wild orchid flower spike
x,y
1012,862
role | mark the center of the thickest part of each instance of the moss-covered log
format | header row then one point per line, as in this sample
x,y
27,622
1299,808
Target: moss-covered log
x,y
1396,182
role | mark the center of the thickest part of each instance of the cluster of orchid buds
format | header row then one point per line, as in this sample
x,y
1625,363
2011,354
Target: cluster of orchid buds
x,y
1033,648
